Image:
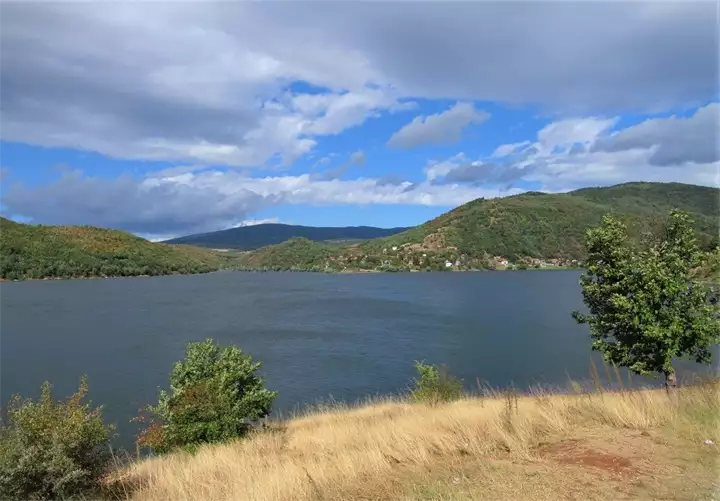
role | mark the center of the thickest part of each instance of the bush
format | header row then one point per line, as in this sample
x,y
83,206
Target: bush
x,y
53,450
215,395
435,385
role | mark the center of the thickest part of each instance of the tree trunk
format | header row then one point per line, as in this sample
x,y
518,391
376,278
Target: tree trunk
x,y
670,380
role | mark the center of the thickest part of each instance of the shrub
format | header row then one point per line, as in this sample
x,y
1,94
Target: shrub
x,y
435,385
52,450
215,395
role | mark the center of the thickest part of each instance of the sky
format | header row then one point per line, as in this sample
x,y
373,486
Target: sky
x,y
172,118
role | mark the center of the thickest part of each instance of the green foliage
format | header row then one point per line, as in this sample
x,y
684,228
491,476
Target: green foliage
x,y
297,254
435,385
519,228
52,450
645,308
35,252
215,395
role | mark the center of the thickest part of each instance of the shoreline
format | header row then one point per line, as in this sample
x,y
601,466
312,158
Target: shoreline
x,y
341,272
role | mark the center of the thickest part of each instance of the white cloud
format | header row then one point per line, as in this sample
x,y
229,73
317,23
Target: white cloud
x,y
195,202
566,133
255,222
208,82
435,169
573,153
441,128
505,149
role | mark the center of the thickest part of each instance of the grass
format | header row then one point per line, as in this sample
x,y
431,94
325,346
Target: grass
x,y
642,444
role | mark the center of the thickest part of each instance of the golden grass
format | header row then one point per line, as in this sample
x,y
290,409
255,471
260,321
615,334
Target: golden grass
x,y
621,445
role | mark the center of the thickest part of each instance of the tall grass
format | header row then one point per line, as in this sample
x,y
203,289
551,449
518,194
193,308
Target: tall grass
x,y
329,453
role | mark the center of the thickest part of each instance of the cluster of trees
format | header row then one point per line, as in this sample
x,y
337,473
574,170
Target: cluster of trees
x,y
645,308
35,252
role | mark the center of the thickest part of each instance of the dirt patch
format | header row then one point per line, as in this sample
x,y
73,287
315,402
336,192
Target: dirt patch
x,y
574,452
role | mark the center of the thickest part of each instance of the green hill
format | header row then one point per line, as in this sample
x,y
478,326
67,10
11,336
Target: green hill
x,y
37,251
256,236
535,229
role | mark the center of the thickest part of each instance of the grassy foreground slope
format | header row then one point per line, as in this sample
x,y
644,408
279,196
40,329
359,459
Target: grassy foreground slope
x,y
634,445
530,229
37,251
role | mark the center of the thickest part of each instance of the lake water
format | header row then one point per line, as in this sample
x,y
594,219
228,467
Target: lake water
x,y
318,335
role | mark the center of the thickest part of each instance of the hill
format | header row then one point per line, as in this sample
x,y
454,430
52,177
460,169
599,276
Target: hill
x,y
37,251
253,237
531,229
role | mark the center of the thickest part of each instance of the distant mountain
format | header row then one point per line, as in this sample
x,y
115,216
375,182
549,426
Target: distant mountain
x,y
38,251
253,237
525,228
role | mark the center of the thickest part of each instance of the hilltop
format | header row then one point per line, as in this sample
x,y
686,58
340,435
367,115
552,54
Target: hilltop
x,y
256,236
531,229
38,251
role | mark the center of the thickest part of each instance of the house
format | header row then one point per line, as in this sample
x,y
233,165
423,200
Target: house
x,y
448,264
394,247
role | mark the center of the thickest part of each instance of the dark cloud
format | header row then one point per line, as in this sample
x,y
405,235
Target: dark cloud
x,y
132,205
573,56
478,173
677,140
186,81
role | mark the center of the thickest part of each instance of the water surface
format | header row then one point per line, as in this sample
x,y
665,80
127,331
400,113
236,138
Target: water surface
x,y
318,335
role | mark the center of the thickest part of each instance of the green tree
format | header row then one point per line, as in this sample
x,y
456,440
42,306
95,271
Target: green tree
x,y
215,395
645,309
53,450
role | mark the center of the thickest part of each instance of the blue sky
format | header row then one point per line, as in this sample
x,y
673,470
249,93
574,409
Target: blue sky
x,y
174,118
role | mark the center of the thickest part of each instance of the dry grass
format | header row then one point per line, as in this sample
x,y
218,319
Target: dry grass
x,y
629,445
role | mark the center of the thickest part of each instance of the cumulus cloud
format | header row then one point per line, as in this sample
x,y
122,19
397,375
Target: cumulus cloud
x,y
441,128
211,82
209,200
572,153
673,140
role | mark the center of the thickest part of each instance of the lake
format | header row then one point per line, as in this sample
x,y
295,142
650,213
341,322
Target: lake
x,y
318,335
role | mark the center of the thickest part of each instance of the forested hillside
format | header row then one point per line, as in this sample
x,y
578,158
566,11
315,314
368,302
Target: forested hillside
x,y
530,230
253,237
36,251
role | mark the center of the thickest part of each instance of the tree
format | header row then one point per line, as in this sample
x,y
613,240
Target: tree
x,y
645,309
215,395
53,450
